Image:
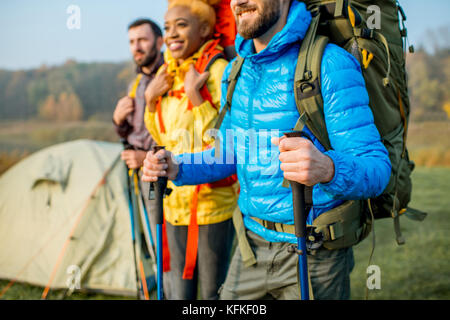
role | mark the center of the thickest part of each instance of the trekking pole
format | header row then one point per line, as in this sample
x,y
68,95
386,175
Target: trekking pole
x,y
300,215
148,234
160,189
137,213
128,146
298,198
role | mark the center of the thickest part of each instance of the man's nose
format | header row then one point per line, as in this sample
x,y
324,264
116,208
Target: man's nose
x,y
137,47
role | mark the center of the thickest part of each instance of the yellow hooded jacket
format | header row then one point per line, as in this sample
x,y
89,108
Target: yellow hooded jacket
x,y
185,133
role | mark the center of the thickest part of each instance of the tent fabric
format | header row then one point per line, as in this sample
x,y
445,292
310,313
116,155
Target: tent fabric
x,y
45,195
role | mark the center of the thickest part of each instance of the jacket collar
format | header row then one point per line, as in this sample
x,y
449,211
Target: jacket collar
x,y
298,21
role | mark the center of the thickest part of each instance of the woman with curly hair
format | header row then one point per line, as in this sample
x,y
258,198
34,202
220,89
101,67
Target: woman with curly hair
x,y
183,102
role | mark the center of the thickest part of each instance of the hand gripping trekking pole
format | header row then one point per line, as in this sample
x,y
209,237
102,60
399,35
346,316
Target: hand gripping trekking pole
x,y
160,190
300,215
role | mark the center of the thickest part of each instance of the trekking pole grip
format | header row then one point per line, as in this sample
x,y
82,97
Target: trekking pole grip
x,y
126,144
298,195
160,187
298,198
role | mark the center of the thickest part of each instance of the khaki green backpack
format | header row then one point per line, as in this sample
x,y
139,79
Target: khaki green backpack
x,y
381,53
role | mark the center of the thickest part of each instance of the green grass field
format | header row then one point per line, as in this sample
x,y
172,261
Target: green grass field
x,y
420,269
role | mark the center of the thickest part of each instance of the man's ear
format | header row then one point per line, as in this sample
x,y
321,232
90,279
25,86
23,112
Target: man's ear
x,y
159,43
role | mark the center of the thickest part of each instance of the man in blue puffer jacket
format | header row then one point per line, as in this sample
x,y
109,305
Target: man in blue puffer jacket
x,y
263,107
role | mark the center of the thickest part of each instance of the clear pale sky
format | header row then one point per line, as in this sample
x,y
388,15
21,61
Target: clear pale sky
x,y
34,32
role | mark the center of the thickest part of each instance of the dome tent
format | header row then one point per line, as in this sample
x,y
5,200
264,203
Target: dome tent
x,y
66,208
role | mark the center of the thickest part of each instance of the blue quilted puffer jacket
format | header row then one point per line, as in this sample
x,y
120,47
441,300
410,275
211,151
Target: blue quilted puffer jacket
x,y
263,106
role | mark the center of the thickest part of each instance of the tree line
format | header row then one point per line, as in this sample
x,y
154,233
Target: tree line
x,y
82,91
70,92
428,81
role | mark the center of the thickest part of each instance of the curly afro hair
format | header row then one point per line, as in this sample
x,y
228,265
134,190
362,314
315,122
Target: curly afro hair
x,y
203,9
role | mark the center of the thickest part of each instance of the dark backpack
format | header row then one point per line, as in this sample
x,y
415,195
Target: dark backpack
x,y
381,54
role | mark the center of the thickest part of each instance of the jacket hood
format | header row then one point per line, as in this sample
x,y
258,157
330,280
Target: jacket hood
x,y
298,21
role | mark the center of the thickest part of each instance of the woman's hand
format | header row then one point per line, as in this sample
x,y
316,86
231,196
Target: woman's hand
x,y
157,88
159,164
193,82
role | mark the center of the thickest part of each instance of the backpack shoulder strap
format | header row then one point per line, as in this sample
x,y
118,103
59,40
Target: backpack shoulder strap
x,y
132,93
232,81
307,87
307,84
210,54
216,56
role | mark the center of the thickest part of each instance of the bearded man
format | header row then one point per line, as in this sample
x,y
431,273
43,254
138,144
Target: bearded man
x,y
145,41
263,106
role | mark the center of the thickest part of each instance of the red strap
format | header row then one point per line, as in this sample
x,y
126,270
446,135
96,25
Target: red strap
x,y
204,92
192,238
176,93
226,182
166,252
208,53
158,110
179,94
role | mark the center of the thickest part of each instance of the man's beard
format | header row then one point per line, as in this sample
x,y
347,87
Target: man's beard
x,y
271,12
149,58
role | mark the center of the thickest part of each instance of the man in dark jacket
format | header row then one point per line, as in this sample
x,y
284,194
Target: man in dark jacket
x,y
145,40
